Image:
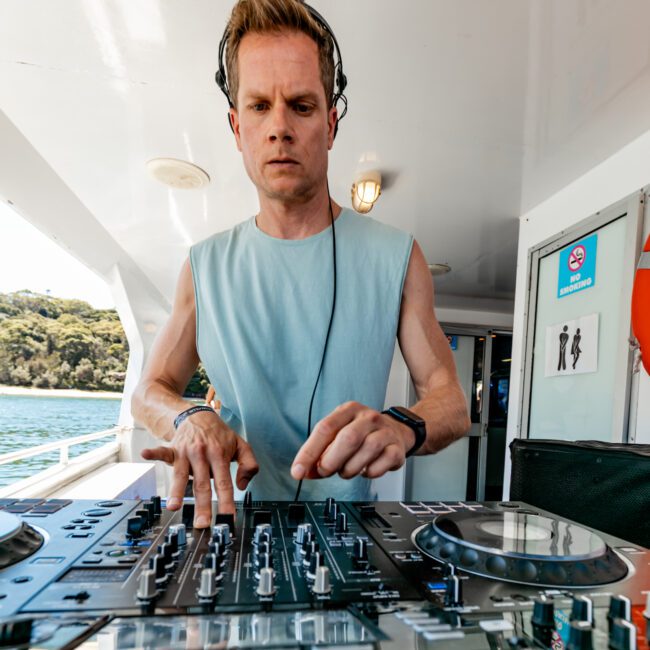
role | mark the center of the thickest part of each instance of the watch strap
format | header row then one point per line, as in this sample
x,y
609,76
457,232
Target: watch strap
x,y
412,420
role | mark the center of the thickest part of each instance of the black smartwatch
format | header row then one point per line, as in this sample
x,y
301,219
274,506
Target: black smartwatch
x,y
412,420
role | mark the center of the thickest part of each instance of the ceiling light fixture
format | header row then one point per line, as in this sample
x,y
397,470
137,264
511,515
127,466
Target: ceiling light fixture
x,y
178,174
365,191
439,269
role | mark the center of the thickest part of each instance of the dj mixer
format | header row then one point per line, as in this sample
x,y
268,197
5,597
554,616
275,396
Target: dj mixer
x,y
131,574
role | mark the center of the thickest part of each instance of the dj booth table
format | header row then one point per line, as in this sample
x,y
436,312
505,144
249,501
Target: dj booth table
x,y
130,574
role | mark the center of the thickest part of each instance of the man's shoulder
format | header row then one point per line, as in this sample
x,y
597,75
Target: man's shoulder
x,y
373,231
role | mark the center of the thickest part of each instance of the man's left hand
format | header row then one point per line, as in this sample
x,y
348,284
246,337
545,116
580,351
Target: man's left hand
x,y
354,439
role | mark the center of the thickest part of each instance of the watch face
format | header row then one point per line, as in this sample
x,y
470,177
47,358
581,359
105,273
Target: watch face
x,y
408,414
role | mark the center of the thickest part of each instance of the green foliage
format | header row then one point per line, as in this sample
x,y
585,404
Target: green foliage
x,y
49,342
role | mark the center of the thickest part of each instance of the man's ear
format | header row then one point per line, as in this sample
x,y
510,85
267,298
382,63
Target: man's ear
x,y
233,116
332,117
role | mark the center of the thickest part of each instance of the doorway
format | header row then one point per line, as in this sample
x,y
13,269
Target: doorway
x,y
471,468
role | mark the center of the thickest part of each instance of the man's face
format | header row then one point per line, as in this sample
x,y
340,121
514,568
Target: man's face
x,y
282,123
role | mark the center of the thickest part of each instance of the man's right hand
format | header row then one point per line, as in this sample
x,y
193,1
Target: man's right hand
x,y
203,446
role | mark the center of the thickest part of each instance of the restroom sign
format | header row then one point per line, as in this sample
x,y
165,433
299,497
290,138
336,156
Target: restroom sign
x,y
577,266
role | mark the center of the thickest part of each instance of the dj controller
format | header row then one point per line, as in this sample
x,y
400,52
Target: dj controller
x,y
131,574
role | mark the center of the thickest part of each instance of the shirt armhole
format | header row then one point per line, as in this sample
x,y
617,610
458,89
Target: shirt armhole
x,y
196,296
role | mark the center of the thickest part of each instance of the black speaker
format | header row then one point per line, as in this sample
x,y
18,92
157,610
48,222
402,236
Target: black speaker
x,y
602,485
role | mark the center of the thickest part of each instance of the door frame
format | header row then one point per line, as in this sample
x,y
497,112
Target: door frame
x,y
633,207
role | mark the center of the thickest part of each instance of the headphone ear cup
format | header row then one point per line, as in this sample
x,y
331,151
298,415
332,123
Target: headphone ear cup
x,y
342,81
218,77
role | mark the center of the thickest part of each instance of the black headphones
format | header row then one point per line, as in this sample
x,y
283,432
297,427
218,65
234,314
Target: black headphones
x,y
340,80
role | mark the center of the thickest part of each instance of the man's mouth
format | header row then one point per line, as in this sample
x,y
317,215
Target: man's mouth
x,y
282,162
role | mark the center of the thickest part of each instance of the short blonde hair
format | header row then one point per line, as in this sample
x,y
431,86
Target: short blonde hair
x,y
262,16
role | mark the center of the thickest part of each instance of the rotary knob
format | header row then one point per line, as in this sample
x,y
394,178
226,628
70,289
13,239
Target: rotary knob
x,y
619,607
543,620
306,542
207,586
157,565
622,635
180,531
165,550
327,510
172,540
147,587
315,562
157,506
134,527
322,586
313,548
266,586
301,532
144,515
222,530
582,609
360,552
151,510
580,636
260,529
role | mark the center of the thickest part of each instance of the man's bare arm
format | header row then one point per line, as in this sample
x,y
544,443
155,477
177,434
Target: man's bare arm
x,y
428,356
355,439
203,445
173,358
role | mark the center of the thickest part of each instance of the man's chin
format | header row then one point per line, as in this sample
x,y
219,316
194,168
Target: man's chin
x,y
289,192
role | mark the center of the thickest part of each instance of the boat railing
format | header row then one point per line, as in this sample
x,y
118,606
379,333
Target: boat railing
x,y
66,470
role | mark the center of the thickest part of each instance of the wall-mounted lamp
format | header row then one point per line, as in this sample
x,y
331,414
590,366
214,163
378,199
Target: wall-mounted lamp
x,y
439,269
365,191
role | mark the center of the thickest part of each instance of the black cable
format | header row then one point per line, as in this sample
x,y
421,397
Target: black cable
x,y
329,329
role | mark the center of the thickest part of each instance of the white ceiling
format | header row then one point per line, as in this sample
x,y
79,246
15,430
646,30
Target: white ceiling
x,y
474,110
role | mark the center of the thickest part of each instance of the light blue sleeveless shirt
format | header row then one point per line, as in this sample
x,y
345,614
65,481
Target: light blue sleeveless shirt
x,y
262,309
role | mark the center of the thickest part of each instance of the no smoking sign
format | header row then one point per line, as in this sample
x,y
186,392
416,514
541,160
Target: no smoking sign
x,y
577,268
577,257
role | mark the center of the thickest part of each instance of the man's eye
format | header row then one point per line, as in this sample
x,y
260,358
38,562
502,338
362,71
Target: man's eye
x,y
259,107
302,108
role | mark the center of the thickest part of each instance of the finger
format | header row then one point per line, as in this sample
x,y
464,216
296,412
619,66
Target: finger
x,y
223,485
247,464
371,449
349,440
324,432
202,490
392,458
179,483
166,454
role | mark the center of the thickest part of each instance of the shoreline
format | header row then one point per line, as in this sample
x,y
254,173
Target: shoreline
x,y
22,391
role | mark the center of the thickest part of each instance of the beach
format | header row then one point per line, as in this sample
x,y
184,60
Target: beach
x,y
17,391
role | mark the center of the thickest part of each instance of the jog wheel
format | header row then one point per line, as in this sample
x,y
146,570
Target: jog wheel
x,y
18,540
521,547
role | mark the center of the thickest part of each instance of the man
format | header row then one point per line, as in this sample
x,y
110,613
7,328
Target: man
x,y
254,304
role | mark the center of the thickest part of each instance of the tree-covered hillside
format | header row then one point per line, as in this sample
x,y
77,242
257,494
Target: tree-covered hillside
x,y
49,342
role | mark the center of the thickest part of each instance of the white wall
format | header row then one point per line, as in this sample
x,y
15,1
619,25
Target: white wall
x,y
625,172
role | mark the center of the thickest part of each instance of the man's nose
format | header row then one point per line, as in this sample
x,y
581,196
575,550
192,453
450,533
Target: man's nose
x,y
280,127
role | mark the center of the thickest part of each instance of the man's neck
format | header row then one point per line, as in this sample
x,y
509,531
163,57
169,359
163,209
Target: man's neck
x,y
286,220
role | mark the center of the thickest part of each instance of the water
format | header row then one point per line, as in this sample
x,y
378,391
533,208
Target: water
x,y
27,421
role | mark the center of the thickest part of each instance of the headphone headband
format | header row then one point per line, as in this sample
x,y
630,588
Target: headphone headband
x,y
340,80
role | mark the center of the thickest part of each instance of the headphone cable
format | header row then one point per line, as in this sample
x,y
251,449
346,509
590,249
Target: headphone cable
x,y
329,329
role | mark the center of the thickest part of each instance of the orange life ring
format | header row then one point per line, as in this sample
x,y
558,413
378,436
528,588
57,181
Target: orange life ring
x,y
641,305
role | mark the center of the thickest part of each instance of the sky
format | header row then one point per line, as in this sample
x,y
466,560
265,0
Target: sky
x,y
29,260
